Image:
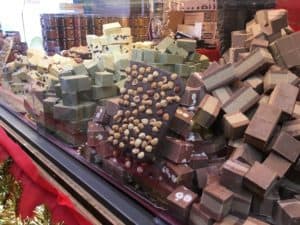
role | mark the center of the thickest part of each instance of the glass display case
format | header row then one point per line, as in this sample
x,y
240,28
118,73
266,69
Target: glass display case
x,y
120,90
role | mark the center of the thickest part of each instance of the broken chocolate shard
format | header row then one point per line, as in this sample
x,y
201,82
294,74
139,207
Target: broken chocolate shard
x,y
284,97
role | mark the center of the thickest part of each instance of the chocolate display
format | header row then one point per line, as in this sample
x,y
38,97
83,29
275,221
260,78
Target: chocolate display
x,y
222,150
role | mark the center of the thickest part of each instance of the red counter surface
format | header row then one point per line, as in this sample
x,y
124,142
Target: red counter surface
x,y
37,190
293,7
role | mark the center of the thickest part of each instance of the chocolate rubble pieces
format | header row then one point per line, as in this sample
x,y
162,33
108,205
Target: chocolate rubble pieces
x,y
220,150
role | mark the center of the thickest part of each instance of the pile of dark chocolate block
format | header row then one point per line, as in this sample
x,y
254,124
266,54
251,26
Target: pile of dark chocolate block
x,y
234,14
231,152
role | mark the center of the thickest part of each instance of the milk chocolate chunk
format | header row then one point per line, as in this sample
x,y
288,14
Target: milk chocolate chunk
x,y
292,128
246,154
241,100
229,220
182,122
241,204
232,174
198,160
238,38
75,83
199,217
257,60
287,146
286,50
257,83
221,77
262,126
260,179
208,111
288,212
192,96
178,174
278,164
217,201
296,111
195,80
253,221
176,150
223,94
180,202
284,97
265,206
235,125
207,175
277,75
